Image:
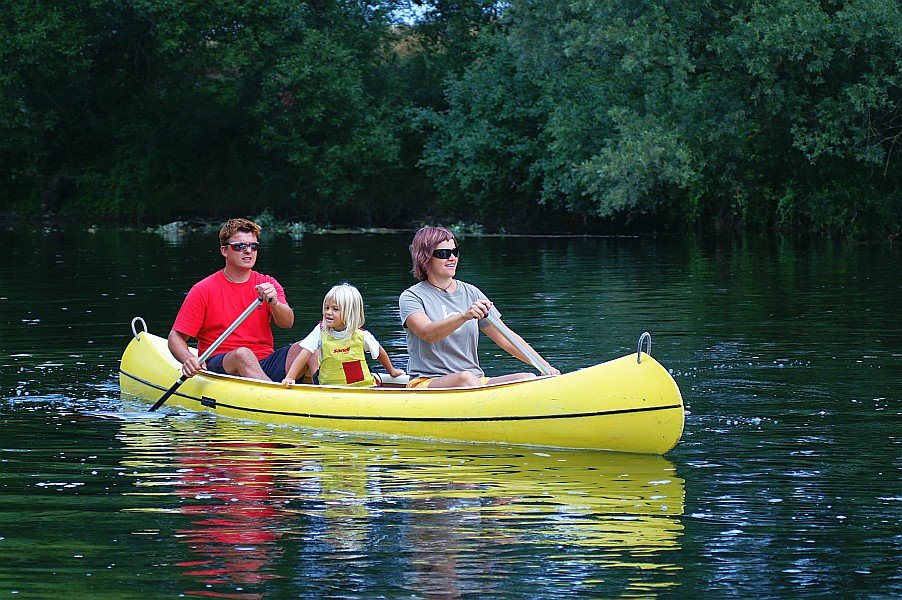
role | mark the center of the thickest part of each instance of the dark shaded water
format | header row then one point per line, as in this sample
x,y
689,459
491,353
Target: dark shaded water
x,y
787,483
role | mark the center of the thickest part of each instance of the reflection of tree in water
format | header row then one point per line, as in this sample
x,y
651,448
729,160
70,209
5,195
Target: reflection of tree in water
x,y
238,520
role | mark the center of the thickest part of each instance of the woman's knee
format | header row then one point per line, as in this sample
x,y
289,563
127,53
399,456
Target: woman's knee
x,y
467,379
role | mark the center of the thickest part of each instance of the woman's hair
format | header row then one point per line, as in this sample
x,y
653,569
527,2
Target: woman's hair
x,y
424,242
232,226
348,298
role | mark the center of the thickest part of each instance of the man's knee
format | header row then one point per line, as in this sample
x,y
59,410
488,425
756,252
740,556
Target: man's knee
x,y
239,360
245,356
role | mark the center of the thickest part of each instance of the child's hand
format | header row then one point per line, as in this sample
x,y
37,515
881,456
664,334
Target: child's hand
x,y
287,382
396,372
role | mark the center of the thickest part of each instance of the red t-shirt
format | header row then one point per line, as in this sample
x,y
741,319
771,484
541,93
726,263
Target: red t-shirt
x,y
214,303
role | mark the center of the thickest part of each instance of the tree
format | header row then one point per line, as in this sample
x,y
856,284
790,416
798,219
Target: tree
x,y
753,114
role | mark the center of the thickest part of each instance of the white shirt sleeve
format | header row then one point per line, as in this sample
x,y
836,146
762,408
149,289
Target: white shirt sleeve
x,y
371,344
313,341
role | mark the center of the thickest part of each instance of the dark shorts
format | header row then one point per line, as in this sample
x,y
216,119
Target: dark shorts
x,y
273,365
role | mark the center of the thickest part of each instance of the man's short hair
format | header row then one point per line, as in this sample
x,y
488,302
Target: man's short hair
x,y
233,226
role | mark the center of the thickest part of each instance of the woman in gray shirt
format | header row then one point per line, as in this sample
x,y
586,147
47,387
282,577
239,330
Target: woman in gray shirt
x,y
443,316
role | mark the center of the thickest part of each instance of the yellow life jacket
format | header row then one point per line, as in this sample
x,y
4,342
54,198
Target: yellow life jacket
x,y
344,361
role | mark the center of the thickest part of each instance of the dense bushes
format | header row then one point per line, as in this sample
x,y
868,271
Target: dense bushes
x,y
524,115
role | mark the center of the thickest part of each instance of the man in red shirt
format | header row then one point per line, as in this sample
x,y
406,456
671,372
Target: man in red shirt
x,y
214,303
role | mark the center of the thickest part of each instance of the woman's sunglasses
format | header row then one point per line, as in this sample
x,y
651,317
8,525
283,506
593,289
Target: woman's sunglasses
x,y
445,253
242,246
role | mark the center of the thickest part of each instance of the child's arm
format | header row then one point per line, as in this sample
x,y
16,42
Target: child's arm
x,y
386,362
297,367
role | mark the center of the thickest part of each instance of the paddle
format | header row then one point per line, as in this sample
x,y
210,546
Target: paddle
x,y
507,333
203,357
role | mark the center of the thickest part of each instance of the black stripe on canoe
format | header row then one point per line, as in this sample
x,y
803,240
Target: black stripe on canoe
x,y
206,401
601,413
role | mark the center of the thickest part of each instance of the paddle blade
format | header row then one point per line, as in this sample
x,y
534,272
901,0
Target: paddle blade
x,y
168,393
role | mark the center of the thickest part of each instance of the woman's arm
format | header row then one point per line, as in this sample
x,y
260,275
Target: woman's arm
x,y
432,331
506,345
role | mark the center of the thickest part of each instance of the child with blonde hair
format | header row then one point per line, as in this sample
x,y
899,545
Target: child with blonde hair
x,y
338,344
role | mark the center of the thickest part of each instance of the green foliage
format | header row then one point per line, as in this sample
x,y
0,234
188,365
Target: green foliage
x,y
153,108
480,152
44,69
320,122
461,229
530,114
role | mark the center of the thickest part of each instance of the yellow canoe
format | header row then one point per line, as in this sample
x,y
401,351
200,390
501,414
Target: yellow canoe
x,y
630,404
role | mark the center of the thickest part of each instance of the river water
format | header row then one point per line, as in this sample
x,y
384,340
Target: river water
x,y
787,482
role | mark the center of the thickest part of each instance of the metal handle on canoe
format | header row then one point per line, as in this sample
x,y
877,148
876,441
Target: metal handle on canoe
x,y
647,338
507,333
135,321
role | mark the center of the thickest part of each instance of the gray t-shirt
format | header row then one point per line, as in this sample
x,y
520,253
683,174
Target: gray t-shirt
x,y
458,351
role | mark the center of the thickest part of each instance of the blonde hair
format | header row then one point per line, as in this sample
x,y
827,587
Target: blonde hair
x,y
349,300
233,226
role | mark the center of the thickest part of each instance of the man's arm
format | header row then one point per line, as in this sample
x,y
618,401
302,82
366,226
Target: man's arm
x,y
178,346
282,315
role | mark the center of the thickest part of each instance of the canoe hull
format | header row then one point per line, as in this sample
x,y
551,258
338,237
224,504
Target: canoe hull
x,y
620,405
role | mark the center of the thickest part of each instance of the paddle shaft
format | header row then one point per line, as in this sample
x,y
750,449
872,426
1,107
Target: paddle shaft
x,y
213,347
507,333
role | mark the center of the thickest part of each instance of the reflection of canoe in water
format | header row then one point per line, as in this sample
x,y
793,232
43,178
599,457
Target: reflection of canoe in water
x,y
527,481
622,405
458,506
627,505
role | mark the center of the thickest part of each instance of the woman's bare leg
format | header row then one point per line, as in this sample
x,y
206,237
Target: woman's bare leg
x,y
462,379
512,377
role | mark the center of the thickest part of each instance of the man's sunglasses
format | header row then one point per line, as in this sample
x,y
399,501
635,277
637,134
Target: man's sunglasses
x,y
242,246
445,253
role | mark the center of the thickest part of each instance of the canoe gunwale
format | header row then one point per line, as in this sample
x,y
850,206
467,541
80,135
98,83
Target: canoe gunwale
x,y
618,405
